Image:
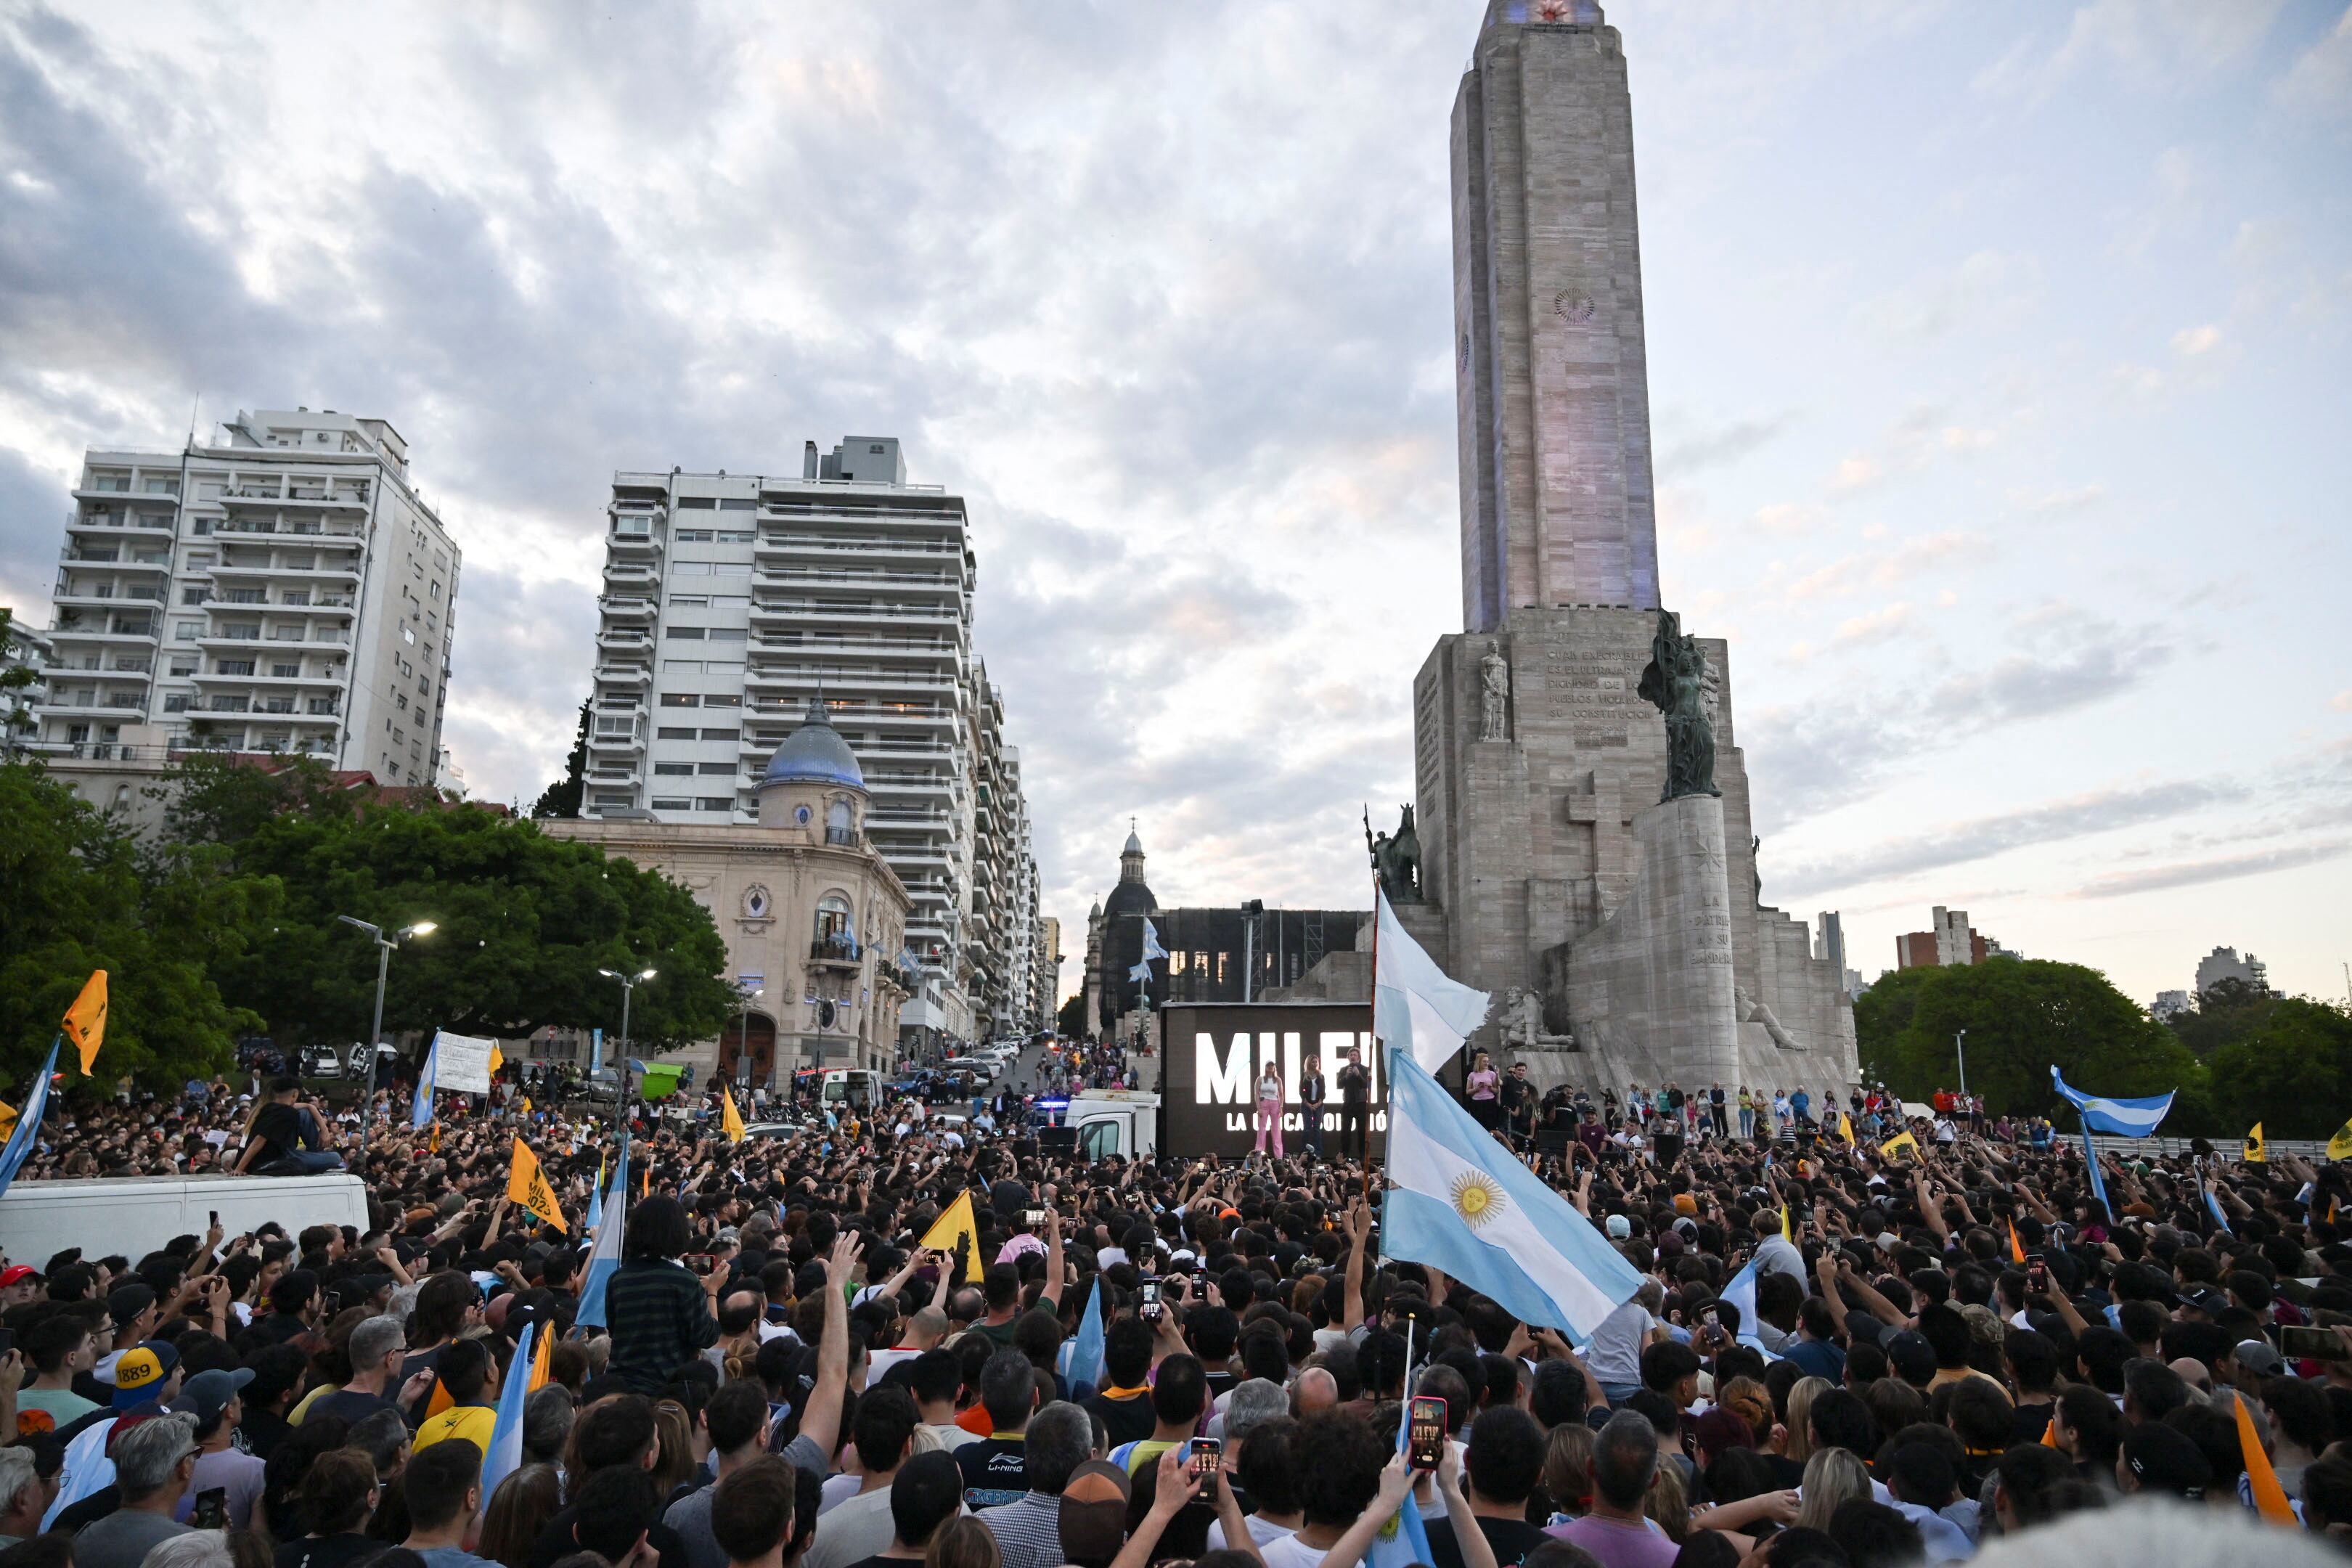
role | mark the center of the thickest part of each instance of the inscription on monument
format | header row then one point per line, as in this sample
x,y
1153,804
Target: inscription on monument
x,y
1588,691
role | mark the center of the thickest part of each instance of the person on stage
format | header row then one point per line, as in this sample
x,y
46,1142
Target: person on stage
x,y
1269,1109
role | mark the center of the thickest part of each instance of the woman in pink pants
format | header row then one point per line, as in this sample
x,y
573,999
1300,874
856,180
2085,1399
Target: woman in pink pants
x,y
1269,1109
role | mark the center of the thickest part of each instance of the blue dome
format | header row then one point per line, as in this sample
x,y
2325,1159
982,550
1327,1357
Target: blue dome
x,y
815,754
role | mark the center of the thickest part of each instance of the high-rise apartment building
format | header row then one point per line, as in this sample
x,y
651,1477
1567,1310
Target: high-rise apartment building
x,y
731,600
278,588
2223,964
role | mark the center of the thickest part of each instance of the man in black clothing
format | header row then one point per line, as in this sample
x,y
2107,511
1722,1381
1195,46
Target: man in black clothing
x,y
1310,1106
1123,1404
1355,1101
288,1138
1501,1464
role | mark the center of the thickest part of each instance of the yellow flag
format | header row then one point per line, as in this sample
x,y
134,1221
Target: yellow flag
x,y
497,1057
540,1359
957,1222
731,1120
1785,1234
2270,1498
2339,1144
1901,1140
528,1186
85,1023
526,1105
2258,1152
1845,1129
7,1118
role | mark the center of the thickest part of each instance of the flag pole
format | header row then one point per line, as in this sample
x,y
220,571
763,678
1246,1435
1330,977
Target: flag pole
x,y
1375,1032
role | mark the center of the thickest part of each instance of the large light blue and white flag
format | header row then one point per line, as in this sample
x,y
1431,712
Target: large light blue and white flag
x,y
27,1135
1151,948
1463,1202
595,1204
505,1455
605,1256
2117,1117
1082,1353
1414,1005
421,1111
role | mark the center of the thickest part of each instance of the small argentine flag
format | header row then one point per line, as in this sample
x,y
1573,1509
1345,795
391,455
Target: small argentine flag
x,y
1741,1293
1463,1202
1415,1004
2116,1118
1151,948
505,1455
1082,1353
421,1111
605,1256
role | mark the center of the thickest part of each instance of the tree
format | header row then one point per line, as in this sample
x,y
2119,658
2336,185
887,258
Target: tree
x,y
562,798
218,799
2291,1070
15,716
524,924
2226,1012
80,896
1880,1015
1071,1022
2022,1017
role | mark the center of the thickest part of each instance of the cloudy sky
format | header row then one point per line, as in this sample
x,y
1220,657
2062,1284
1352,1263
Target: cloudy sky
x,y
1998,354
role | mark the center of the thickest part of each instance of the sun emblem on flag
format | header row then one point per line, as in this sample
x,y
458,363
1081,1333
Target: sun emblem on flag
x,y
1477,1198
1553,11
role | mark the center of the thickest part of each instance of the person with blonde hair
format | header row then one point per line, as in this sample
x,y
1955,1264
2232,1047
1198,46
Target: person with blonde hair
x,y
1833,1476
1797,1440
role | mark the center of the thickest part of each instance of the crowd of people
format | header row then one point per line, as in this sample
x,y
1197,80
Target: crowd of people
x,y
1954,1350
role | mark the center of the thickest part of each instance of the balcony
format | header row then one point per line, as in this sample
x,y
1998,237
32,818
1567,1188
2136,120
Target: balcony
x,y
859,613
834,953
630,740
625,674
95,633
627,607
337,574
633,545
864,547
260,675
106,704
624,641
631,573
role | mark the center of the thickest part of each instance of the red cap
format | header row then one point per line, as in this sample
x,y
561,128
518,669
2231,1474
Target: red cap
x,y
15,1274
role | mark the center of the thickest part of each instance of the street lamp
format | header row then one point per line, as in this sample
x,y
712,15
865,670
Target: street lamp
x,y
629,984
383,946
1960,1046
745,995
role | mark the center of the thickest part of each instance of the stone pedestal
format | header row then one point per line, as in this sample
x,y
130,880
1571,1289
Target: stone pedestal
x,y
1653,983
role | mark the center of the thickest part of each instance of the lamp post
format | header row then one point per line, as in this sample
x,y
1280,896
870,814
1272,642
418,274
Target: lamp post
x,y
1961,1046
744,996
629,984
383,946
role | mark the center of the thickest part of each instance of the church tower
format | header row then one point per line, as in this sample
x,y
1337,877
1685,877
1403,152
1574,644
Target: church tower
x,y
1552,383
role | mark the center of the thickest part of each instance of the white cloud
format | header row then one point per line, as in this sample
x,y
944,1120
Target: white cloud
x,y
2320,83
2191,342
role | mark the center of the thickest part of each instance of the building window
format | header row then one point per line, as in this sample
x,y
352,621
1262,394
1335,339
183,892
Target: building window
x,y
833,918
839,828
694,503
683,633
664,802
715,802
681,666
674,732
715,701
674,770
689,601
680,699
715,770
718,734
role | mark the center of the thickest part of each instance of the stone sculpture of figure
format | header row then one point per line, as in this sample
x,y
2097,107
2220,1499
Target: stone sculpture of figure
x,y
1674,682
1396,861
1494,697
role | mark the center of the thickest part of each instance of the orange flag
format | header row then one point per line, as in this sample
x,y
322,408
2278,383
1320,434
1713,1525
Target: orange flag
x,y
2270,1498
2016,1248
85,1023
442,1400
540,1361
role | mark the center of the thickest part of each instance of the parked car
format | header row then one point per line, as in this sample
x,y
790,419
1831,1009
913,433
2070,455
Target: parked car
x,y
322,1062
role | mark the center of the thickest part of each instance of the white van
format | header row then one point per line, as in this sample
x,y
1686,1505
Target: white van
x,y
851,1089
1107,1121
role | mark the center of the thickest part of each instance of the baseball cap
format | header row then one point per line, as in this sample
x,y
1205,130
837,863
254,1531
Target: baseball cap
x,y
1094,1513
1913,1358
141,1372
1620,1227
15,1274
2163,1459
2204,1297
125,1303
2259,1357
207,1394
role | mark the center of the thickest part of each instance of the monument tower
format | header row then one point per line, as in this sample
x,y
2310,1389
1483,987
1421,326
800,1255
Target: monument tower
x,y
1602,884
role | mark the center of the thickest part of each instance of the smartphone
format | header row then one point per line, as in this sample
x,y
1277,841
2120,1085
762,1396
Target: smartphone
x,y
212,1510
1208,1456
1425,1432
1707,1318
1148,1309
2037,1276
1032,1217
216,1214
2298,1343
699,1261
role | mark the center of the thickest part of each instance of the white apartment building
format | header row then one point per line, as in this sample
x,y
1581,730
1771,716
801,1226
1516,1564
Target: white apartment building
x,y
279,589
730,600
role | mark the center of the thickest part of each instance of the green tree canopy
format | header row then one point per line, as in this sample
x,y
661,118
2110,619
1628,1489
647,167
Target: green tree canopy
x,y
562,798
523,923
2291,1069
2022,1015
80,896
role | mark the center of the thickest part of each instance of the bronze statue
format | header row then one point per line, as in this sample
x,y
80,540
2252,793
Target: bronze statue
x,y
1396,861
1674,682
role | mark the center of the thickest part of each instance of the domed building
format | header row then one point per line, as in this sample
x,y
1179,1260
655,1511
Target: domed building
x,y
1115,940
814,918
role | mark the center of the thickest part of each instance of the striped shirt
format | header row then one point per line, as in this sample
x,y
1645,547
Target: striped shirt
x,y
660,1318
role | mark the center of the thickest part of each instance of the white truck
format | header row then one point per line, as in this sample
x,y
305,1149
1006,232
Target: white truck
x,y
1107,1121
134,1215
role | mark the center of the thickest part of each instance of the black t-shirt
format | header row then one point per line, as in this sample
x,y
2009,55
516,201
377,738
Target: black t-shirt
x,y
1511,1538
327,1551
1124,1420
995,1470
557,1541
281,1130
1355,1083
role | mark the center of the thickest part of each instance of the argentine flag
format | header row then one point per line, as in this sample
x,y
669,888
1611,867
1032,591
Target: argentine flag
x,y
19,1147
1741,1293
1414,1005
505,1456
420,1111
1082,1356
1463,1202
2116,1118
605,1256
1151,948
